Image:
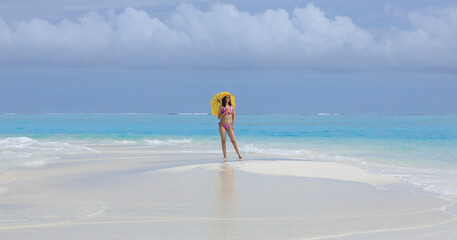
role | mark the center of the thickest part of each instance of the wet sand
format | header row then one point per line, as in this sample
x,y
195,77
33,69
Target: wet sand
x,y
135,192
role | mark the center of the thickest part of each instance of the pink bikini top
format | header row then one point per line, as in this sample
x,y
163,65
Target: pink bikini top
x,y
229,113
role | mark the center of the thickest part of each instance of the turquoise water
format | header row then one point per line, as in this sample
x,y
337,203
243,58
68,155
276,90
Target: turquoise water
x,y
413,137
421,149
414,127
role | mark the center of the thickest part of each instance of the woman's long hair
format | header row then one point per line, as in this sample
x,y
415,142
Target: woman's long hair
x,y
224,103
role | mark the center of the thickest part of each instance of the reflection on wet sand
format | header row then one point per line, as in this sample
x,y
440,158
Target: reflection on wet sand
x,y
225,204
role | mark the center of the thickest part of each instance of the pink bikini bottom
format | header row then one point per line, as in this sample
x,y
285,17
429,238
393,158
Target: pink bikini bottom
x,y
225,126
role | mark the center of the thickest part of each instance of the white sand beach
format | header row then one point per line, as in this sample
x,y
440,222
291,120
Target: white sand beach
x,y
143,192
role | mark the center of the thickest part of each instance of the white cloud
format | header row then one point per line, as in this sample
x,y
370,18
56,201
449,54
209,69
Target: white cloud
x,y
225,37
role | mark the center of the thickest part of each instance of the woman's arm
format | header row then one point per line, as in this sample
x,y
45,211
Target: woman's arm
x,y
233,116
220,113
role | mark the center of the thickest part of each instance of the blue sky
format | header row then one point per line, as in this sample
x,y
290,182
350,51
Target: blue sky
x,y
275,56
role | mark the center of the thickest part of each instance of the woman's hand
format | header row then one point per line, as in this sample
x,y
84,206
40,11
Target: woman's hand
x,y
221,115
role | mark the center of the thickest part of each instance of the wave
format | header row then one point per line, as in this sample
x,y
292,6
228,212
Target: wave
x,y
28,152
434,180
157,142
25,143
251,148
167,142
193,114
301,153
96,114
125,142
328,114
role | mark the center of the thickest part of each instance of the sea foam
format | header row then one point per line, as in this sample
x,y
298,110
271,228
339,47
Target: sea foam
x,y
439,181
26,143
28,152
167,142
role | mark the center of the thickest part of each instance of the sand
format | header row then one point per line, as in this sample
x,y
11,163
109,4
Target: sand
x,y
140,192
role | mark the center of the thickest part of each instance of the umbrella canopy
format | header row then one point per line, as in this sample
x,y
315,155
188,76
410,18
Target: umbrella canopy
x,y
216,103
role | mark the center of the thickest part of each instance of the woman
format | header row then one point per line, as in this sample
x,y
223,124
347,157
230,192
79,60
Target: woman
x,y
227,124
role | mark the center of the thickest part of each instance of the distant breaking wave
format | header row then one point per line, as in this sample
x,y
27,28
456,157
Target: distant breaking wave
x,y
155,142
167,142
328,114
192,113
119,114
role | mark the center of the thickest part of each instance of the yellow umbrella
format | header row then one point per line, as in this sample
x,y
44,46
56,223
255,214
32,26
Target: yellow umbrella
x,y
216,103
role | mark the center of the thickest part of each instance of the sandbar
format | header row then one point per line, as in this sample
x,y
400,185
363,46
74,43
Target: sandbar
x,y
141,192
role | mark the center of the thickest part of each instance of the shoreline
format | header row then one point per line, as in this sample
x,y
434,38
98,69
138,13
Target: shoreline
x,y
136,192
435,177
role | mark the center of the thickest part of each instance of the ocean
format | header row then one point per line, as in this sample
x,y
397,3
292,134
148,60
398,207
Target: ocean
x,y
419,149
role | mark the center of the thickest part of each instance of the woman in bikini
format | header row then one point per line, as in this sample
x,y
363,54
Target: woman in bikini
x,y
227,124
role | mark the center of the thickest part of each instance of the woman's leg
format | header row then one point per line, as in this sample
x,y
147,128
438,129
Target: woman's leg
x,y
223,140
231,134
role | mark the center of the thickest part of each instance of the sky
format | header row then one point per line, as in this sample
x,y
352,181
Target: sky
x,y
172,56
